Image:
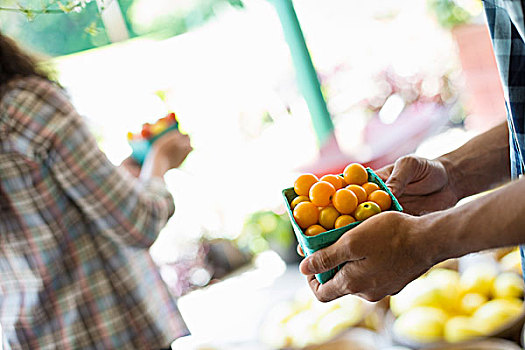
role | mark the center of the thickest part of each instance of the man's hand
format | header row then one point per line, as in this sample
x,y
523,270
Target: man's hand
x,y
381,256
389,250
421,185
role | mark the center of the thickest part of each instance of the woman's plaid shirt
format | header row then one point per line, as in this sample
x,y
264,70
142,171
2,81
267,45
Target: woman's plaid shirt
x,y
75,272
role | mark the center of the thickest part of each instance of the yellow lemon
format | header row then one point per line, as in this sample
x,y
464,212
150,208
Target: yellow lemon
x,y
470,302
460,328
478,278
422,324
511,261
508,285
494,314
447,282
439,288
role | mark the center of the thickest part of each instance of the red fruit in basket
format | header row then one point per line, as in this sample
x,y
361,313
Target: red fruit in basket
x,y
146,131
172,117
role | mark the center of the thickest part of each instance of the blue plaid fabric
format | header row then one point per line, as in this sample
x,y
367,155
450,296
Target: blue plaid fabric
x,y
507,29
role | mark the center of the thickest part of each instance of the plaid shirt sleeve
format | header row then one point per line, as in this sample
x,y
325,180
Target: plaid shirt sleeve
x,y
122,207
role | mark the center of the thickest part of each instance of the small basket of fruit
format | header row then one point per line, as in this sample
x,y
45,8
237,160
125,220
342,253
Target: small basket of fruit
x,y
322,210
141,142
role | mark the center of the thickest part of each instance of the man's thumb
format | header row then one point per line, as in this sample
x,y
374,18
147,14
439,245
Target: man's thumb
x,y
402,174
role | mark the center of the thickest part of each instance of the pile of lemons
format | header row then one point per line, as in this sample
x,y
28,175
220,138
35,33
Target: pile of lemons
x,y
305,321
446,305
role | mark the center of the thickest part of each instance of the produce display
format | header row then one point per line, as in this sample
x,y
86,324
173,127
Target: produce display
x,y
141,142
306,321
445,305
443,309
323,209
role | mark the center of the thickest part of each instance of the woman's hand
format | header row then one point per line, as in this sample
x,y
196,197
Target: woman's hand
x,y
131,166
173,147
168,152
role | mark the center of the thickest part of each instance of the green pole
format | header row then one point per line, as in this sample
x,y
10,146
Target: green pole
x,y
305,71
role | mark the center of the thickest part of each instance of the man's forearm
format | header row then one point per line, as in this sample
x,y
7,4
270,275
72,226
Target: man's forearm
x,y
481,163
494,220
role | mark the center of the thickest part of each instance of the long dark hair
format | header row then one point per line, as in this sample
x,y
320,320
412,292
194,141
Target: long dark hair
x,y
16,63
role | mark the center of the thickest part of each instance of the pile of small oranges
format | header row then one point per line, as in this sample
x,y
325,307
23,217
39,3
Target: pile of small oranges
x,y
335,201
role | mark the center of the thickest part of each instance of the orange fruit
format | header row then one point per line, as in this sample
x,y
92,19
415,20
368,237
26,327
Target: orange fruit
x,y
345,201
355,173
336,181
303,183
298,200
359,192
381,198
306,214
327,217
314,230
370,187
321,193
343,220
343,178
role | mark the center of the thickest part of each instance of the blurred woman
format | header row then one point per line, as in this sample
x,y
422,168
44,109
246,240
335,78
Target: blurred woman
x,y
75,272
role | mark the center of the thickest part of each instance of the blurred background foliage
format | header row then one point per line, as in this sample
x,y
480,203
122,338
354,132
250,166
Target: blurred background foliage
x,y
265,230
451,13
57,28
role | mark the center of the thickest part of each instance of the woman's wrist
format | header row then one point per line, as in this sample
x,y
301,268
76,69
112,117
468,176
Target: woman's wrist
x,y
156,165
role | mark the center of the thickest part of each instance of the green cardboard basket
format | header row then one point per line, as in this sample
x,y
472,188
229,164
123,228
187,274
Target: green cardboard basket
x,y
310,244
141,148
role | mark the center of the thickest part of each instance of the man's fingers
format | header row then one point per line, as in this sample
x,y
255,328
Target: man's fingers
x,y
402,173
300,250
324,292
414,205
313,282
385,172
323,260
329,257
333,288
